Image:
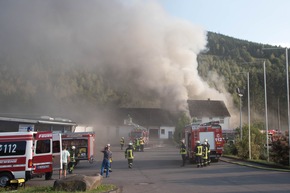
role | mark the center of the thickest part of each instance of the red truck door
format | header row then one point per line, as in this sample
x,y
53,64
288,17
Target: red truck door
x,y
42,158
57,151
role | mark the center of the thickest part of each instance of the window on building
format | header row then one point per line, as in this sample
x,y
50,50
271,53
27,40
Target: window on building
x,y
162,131
222,121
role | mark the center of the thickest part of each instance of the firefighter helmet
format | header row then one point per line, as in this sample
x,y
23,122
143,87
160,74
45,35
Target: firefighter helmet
x,y
73,147
130,144
205,140
197,141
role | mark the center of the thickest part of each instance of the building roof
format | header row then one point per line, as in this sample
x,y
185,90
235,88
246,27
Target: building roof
x,y
40,120
207,108
147,116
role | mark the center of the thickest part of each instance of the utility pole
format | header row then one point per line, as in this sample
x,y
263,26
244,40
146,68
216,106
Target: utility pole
x,y
266,110
288,107
249,115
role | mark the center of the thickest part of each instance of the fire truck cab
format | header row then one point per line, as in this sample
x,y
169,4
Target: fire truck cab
x,y
24,155
211,131
139,133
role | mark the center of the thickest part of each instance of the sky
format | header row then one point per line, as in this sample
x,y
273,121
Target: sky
x,y
259,21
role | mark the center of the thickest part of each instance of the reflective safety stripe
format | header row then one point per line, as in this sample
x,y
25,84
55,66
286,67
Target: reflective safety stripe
x,y
205,153
42,163
183,151
199,150
130,154
208,148
137,142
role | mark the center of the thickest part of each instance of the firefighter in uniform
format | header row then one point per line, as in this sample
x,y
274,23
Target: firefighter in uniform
x,y
204,154
122,142
142,144
134,144
198,154
72,162
129,155
183,152
208,151
137,144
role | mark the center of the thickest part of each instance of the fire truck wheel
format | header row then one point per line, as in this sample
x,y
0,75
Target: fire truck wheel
x,y
48,175
4,178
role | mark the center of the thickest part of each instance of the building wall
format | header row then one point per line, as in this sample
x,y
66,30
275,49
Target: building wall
x,y
166,132
154,132
7,126
11,126
225,123
111,134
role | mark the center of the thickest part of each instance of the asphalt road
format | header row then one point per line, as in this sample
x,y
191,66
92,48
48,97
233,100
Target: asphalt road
x,y
158,170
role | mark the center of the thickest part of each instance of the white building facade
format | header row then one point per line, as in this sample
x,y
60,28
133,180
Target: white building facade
x,y
166,132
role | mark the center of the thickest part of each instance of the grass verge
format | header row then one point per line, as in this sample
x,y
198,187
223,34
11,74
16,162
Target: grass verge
x,y
262,162
47,189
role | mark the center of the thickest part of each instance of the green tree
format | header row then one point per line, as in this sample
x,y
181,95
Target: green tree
x,y
258,140
279,151
183,120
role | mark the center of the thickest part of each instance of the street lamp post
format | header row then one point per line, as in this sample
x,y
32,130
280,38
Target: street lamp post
x,y
241,130
249,112
240,94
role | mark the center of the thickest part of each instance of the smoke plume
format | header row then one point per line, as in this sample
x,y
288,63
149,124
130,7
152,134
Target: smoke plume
x,y
135,44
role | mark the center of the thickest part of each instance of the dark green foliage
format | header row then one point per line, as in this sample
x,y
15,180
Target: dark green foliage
x,y
279,150
232,58
258,139
230,149
182,121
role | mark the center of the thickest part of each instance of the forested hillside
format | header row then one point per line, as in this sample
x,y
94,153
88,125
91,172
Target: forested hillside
x,y
232,58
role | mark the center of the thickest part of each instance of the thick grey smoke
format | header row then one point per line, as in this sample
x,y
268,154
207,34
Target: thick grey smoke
x,y
136,44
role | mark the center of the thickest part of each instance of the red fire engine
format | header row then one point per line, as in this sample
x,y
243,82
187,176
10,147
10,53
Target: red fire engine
x,y
84,143
139,133
24,155
211,131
